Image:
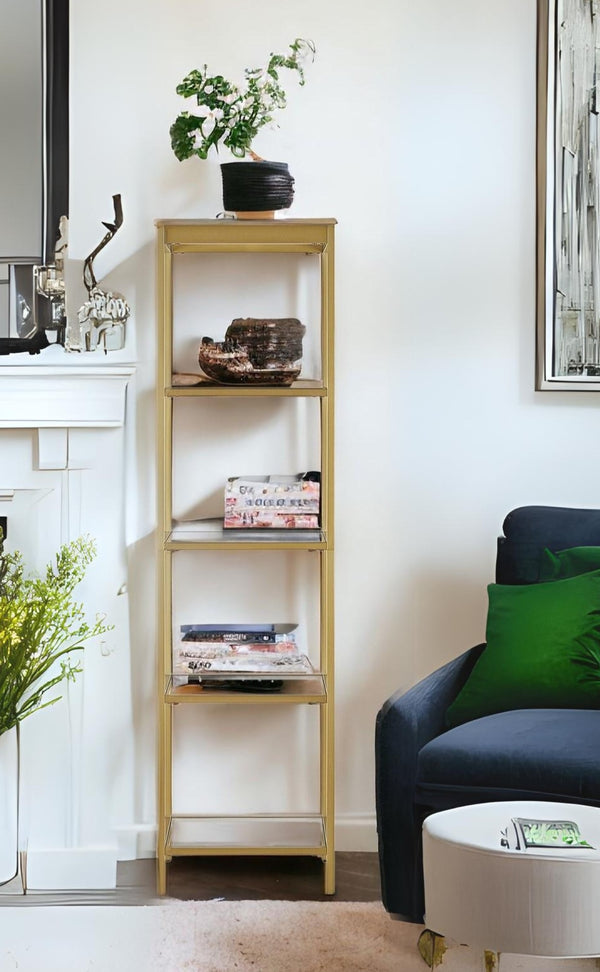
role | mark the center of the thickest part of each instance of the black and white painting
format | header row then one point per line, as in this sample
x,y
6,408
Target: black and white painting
x,y
568,285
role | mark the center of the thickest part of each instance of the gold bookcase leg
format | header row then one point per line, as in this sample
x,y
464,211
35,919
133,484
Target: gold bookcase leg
x,y
327,723
164,410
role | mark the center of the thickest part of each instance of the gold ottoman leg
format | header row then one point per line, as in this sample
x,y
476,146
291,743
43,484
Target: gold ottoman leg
x,y
431,948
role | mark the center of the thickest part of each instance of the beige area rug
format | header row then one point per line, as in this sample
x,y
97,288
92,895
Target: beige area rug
x,y
292,936
307,936
219,936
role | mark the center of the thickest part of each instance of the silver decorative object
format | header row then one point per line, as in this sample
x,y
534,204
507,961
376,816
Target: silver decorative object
x,y
101,320
49,283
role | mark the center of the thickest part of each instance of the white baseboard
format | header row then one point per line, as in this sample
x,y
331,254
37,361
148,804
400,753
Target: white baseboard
x,y
136,842
71,869
356,832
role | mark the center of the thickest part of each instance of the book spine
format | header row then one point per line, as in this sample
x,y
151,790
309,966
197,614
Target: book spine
x,y
300,504
268,519
303,489
233,637
260,627
251,662
191,649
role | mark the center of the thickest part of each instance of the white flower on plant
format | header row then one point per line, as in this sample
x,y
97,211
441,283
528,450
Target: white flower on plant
x,y
304,52
205,111
198,139
210,117
259,75
208,89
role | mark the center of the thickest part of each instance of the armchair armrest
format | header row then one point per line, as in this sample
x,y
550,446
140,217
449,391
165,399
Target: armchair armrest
x,y
405,723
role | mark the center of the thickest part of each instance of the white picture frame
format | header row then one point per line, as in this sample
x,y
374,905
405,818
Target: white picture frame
x,y
568,196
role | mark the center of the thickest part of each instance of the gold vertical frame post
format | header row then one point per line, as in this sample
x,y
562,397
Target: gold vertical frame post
x,y
326,556
164,410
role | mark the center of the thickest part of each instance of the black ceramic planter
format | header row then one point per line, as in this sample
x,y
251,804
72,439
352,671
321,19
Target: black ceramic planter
x,y
256,189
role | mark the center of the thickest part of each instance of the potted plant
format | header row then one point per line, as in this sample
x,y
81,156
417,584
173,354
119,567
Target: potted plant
x,y
223,112
40,626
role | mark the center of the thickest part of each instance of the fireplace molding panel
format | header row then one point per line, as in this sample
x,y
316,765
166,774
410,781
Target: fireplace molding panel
x,y
66,468
57,397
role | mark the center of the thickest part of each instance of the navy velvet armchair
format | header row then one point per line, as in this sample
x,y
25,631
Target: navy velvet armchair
x,y
522,754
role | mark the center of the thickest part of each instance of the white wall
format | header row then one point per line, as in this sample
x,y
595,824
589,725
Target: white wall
x,y
416,129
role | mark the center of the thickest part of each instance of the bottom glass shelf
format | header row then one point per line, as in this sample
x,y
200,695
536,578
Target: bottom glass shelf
x,y
252,834
245,689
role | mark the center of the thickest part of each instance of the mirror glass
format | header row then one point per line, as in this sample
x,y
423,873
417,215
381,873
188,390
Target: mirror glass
x,y
33,162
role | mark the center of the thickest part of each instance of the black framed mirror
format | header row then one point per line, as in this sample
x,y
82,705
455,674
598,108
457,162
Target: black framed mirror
x,y
34,170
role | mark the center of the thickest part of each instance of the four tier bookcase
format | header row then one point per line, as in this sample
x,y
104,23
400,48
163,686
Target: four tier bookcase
x,y
286,834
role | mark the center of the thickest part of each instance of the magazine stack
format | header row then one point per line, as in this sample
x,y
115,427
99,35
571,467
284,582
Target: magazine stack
x,y
273,502
209,650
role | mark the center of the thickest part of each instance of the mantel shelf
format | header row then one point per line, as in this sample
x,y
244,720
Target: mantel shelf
x,y
74,396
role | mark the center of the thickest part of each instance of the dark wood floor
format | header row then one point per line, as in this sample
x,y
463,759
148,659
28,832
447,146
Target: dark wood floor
x,y
277,878
229,878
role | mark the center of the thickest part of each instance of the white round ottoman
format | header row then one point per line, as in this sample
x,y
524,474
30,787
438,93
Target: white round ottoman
x,y
531,901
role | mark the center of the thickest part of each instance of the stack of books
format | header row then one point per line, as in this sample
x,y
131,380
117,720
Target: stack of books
x,y
267,502
218,649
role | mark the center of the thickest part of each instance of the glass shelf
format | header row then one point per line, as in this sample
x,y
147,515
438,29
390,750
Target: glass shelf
x,y
296,689
303,388
252,834
211,534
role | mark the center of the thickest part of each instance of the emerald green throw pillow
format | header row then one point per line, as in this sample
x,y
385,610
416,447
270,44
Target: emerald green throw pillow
x,y
568,563
543,650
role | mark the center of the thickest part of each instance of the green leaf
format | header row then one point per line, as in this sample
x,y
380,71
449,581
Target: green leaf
x,y
182,135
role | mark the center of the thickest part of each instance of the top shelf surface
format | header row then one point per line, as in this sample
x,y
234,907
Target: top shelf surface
x,y
326,221
246,235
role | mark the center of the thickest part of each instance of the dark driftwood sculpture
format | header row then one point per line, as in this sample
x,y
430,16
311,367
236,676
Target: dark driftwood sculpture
x,y
89,277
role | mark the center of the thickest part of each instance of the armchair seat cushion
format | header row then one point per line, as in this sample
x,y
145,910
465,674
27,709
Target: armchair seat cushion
x,y
521,754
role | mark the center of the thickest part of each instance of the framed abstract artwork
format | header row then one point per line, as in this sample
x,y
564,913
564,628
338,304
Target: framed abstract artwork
x,y
568,196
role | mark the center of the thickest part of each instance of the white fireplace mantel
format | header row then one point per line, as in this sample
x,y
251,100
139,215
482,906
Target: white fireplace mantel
x,y
75,396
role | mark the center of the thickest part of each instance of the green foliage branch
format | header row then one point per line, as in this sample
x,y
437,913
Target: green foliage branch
x,y
40,625
224,112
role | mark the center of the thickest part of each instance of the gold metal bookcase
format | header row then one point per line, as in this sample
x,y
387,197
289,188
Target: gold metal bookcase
x,y
267,834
